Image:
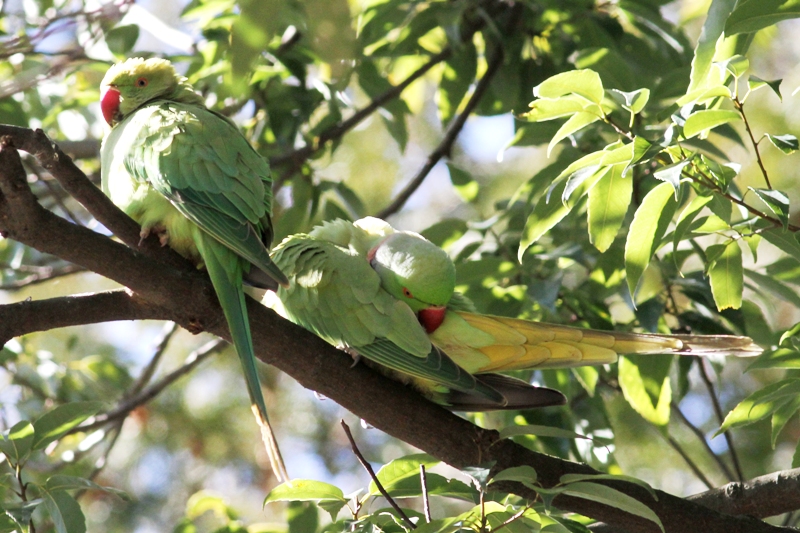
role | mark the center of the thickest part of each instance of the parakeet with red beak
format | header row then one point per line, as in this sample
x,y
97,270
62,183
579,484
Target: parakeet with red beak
x,y
388,297
187,174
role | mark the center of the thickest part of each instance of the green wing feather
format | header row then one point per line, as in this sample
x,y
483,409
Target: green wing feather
x,y
210,173
336,294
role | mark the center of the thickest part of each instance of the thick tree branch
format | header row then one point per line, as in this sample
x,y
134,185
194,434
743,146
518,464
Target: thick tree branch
x,y
768,495
186,296
30,316
445,147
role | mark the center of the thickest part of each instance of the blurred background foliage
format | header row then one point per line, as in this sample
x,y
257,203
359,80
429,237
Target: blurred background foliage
x,y
350,101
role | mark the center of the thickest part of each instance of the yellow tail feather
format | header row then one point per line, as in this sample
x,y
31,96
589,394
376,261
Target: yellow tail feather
x,y
522,344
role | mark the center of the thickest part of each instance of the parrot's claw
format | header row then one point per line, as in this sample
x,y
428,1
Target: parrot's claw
x,y
163,238
145,233
355,355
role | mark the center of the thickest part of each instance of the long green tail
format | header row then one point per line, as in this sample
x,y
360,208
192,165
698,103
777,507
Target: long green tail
x,y
228,285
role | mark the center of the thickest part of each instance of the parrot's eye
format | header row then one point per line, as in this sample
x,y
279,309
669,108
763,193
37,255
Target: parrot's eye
x,y
141,82
407,293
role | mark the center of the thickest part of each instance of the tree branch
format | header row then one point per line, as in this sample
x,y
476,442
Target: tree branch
x,y
446,145
186,296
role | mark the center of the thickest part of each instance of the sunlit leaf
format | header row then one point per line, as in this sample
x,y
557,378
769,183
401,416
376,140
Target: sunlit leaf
x,y
726,278
400,469
54,424
707,42
754,83
305,490
523,474
761,403
539,431
18,441
584,82
648,227
612,497
576,122
608,203
701,121
753,16
644,380
785,143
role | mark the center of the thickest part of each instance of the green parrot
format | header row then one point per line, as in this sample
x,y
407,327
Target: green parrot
x,y
389,298
189,175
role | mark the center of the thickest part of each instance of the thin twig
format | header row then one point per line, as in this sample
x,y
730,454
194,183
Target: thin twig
x,y
45,274
299,156
124,408
426,503
160,347
371,473
740,108
694,429
721,417
692,465
445,147
516,516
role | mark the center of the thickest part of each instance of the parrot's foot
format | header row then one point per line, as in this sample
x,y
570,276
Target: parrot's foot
x,y
161,231
355,355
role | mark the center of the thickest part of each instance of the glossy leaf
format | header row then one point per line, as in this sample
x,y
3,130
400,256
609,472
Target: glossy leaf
x,y
612,497
787,143
761,403
18,441
726,277
645,384
648,227
54,424
585,83
701,121
400,469
65,512
753,16
707,43
305,490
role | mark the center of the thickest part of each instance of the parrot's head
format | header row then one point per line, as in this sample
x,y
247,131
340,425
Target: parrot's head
x,y
417,272
134,82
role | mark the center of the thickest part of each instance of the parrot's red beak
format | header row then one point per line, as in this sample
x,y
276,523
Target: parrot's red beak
x,y
432,317
109,104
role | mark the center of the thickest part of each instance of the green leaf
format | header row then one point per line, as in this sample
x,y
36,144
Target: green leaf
x,y
761,403
755,15
736,65
785,143
726,275
572,478
584,82
552,108
547,214
707,42
701,95
399,469
687,217
18,442
302,490
672,174
576,122
777,202
633,101
785,240
445,232
204,501
587,376
780,358
65,512
21,512
410,487
523,474
457,76
754,83
540,431
54,424
121,40
613,498
63,482
775,287
464,183
782,416
703,120
648,227
644,380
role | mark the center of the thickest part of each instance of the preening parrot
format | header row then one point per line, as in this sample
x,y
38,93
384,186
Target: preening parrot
x,y
388,297
189,175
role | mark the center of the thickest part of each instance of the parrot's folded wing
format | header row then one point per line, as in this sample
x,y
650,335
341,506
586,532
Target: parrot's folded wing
x,y
436,367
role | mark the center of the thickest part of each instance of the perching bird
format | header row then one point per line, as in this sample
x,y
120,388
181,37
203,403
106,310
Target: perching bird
x,y
187,174
388,297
